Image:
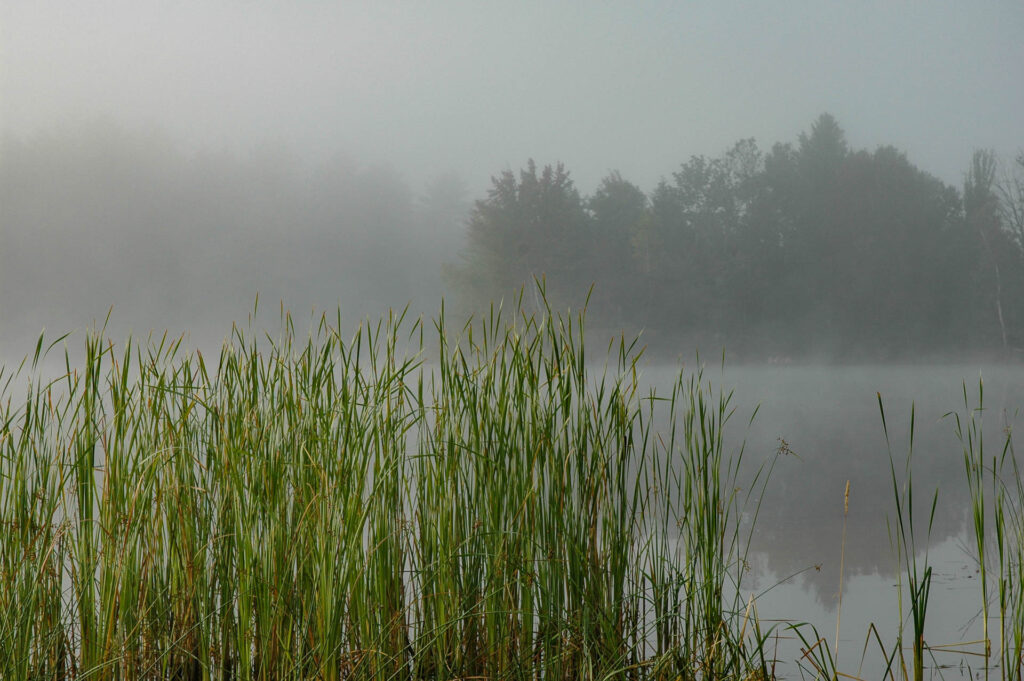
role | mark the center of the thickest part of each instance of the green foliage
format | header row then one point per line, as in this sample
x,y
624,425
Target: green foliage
x,y
997,519
530,226
335,509
903,534
812,248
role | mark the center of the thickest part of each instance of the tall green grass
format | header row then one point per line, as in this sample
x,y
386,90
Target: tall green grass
x,y
912,561
997,520
414,502
486,505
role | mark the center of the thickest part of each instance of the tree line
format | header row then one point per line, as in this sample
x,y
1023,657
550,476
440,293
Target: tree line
x,y
809,249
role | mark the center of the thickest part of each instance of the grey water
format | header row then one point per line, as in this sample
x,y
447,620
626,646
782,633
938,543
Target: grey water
x,y
825,425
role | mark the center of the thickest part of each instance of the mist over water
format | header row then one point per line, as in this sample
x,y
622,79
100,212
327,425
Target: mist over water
x,y
828,199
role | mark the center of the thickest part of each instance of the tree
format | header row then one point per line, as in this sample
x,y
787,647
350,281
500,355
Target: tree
x,y
617,251
896,261
1011,195
848,253
822,152
530,226
981,207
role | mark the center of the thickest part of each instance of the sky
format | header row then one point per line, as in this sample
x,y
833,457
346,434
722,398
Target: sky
x,y
477,87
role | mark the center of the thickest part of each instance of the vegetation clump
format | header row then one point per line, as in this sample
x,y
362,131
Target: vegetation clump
x,y
406,504
335,509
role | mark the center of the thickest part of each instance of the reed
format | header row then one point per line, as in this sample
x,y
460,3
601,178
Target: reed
x,y
416,501
335,508
903,536
997,519
697,576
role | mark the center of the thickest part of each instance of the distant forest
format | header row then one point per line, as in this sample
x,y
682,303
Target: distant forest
x,y
809,250
96,215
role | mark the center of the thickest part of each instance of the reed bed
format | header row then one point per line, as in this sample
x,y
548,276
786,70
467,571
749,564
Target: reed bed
x,y
997,520
414,502
486,505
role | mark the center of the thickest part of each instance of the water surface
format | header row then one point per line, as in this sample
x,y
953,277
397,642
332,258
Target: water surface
x,y
828,418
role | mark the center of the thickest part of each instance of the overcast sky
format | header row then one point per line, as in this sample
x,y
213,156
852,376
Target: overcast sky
x,y
476,86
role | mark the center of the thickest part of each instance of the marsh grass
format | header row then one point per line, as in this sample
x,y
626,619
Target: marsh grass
x,y
903,536
335,508
416,502
997,520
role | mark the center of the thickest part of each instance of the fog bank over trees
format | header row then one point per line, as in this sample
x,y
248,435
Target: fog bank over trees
x,y
98,216
808,249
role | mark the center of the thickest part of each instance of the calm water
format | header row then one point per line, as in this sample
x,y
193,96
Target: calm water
x,y
829,418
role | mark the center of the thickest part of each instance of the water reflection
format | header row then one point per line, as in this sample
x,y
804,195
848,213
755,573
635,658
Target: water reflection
x,y
828,419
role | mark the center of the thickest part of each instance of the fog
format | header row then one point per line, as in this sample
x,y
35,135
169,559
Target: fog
x,y
175,160
474,87
828,196
98,217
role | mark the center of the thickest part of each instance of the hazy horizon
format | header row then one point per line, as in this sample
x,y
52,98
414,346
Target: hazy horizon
x,y
175,160
475,88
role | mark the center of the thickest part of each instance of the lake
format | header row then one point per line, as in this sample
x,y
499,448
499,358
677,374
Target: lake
x,y
828,418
